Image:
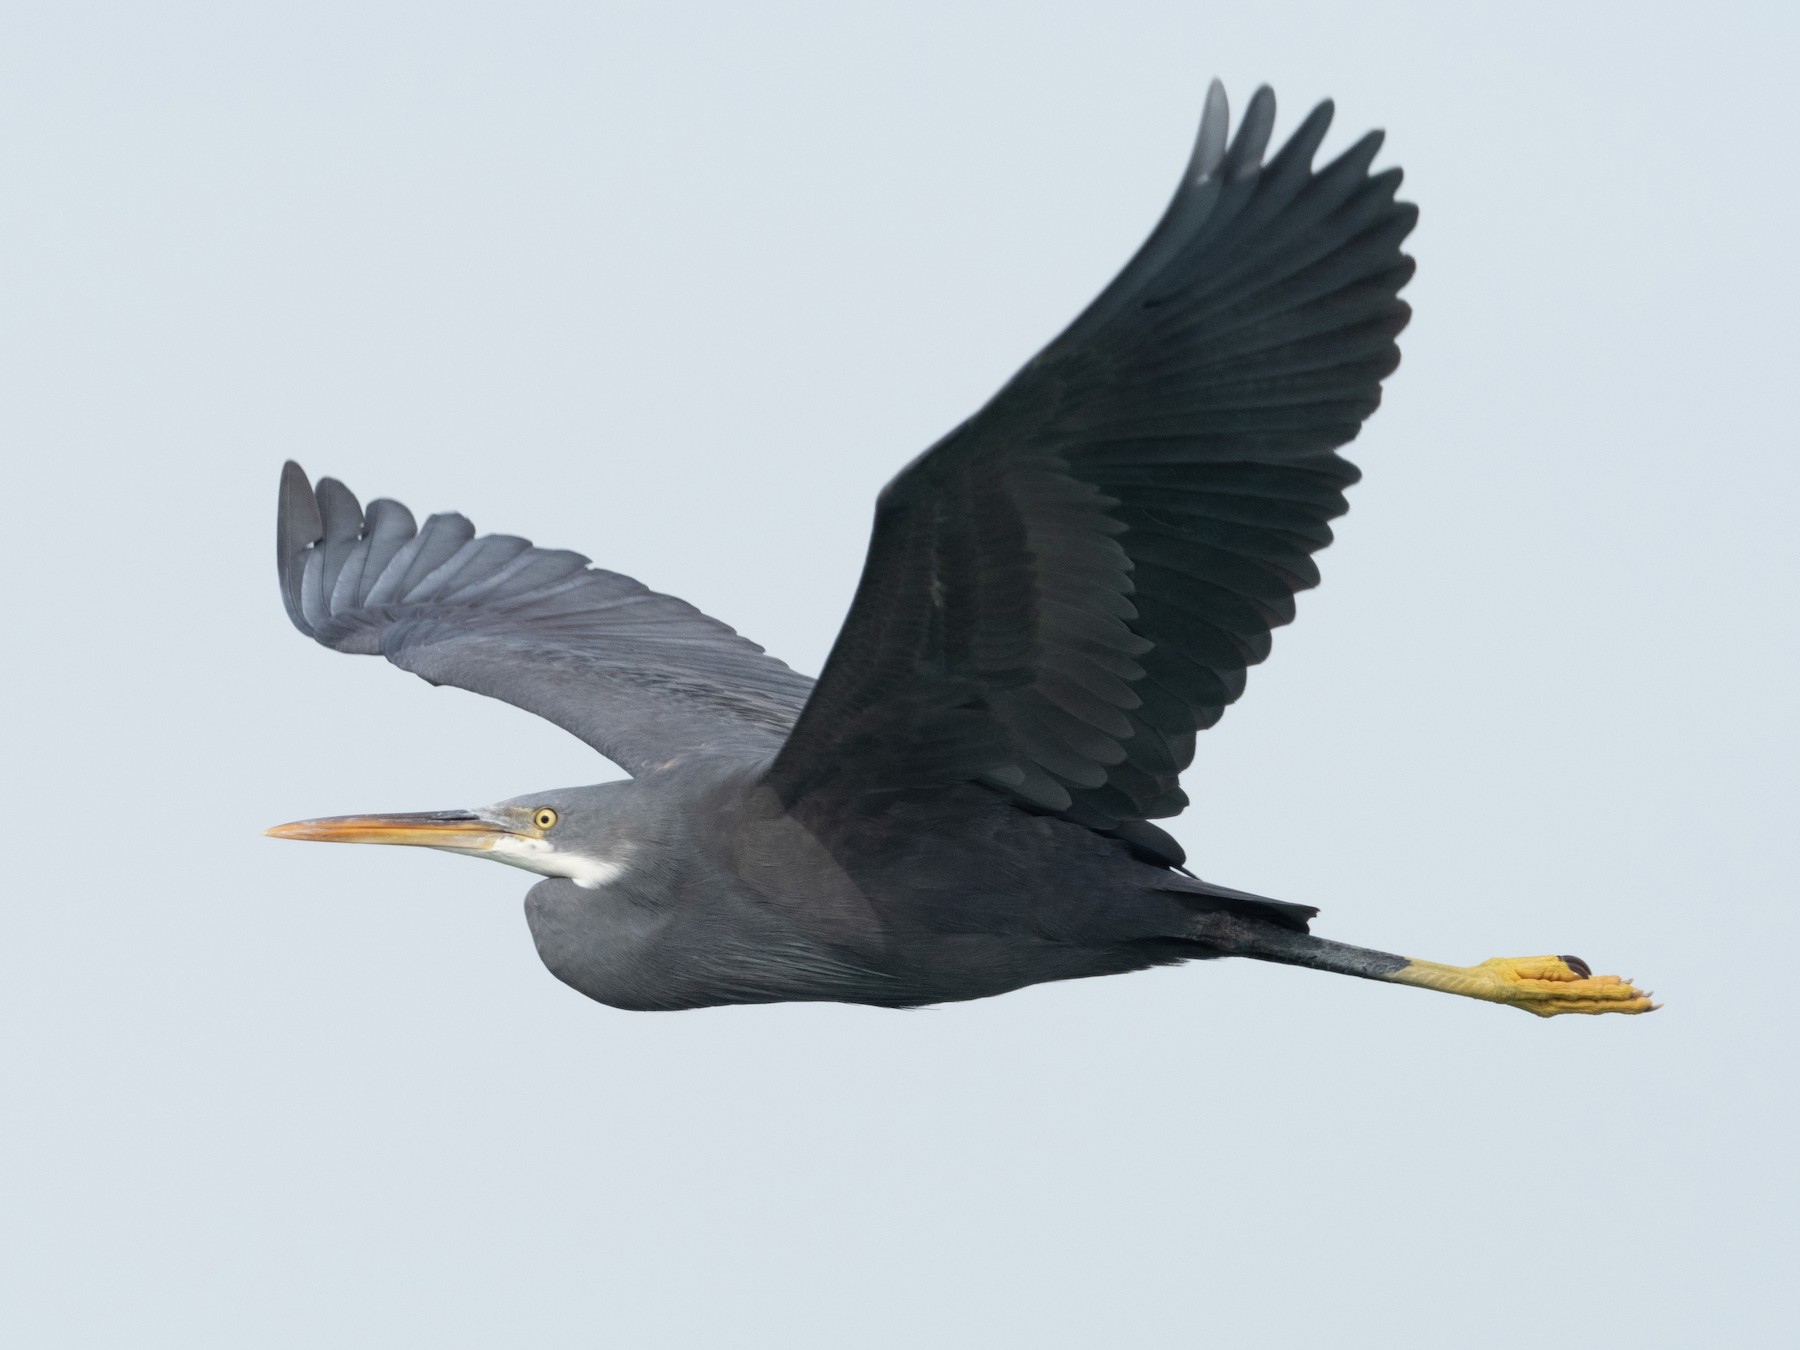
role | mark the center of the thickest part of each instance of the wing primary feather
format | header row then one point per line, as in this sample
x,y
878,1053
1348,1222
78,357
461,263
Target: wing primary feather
x,y
438,541
1253,135
1092,562
1196,193
388,526
1209,142
343,519
297,528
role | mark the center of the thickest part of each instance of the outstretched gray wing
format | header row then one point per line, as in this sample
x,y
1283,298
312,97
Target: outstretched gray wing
x,y
1070,584
643,678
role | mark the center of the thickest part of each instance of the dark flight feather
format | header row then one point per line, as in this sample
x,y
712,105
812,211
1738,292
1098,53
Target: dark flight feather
x,y
1067,586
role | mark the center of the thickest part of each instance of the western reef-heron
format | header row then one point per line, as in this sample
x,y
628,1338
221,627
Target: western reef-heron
x,y
1058,595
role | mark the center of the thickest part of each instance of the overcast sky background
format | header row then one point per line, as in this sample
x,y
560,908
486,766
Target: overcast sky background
x,y
680,286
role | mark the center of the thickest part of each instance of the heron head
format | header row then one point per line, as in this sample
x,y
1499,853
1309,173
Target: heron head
x,y
570,832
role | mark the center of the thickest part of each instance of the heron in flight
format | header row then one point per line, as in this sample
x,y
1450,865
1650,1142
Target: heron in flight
x,y
1058,596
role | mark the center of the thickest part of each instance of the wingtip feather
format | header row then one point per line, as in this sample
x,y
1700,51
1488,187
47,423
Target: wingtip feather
x,y
1307,137
1252,140
298,526
1210,141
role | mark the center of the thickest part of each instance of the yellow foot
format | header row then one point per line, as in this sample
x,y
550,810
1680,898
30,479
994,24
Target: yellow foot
x,y
1544,985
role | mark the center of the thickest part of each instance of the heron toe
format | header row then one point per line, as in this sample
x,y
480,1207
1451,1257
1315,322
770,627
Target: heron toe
x,y
1544,985
1549,985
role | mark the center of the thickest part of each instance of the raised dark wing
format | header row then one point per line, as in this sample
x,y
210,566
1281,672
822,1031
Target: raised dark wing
x,y
1070,584
643,678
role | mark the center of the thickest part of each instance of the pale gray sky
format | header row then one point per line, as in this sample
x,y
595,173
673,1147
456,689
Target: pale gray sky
x,y
680,286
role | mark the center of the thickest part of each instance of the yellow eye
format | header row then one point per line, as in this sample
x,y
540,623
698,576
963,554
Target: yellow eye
x,y
543,818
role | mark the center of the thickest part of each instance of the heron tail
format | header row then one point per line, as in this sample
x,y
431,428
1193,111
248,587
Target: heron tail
x,y
1284,913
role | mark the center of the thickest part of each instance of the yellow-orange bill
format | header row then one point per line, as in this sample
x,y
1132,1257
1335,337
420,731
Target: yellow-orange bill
x,y
425,829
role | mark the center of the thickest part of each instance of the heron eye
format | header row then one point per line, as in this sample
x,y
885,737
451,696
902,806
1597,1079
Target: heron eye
x,y
544,818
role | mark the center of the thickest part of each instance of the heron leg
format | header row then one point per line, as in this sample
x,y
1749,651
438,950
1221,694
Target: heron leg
x,y
1543,985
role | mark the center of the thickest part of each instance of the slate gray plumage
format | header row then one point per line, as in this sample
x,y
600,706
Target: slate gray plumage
x,y
1057,596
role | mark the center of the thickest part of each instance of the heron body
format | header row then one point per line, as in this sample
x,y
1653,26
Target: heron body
x,y
919,897
1058,596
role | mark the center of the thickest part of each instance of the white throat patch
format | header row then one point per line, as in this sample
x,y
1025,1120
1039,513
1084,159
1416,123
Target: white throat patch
x,y
542,857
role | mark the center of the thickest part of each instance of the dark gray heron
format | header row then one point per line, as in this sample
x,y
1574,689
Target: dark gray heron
x,y
1058,595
